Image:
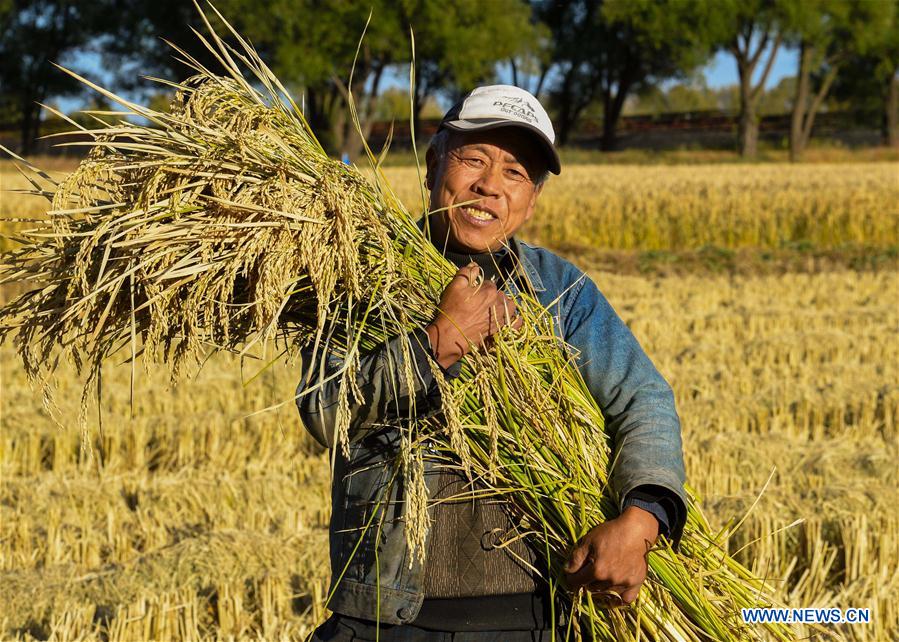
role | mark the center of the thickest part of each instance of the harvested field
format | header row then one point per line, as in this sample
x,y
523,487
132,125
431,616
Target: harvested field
x,y
776,205
822,206
191,517
191,520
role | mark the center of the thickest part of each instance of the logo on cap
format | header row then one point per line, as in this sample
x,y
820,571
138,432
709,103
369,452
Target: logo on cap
x,y
518,107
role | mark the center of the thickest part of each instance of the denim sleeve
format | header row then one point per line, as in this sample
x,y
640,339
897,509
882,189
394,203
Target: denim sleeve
x,y
663,504
385,396
637,402
655,508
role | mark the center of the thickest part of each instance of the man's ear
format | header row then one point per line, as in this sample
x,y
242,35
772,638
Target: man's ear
x,y
431,164
532,206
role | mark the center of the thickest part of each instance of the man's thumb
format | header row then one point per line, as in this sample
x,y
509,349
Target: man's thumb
x,y
575,559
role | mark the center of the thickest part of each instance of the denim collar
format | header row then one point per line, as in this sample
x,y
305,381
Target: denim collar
x,y
525,267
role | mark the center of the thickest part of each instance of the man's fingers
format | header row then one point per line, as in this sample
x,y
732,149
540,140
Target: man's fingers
x,y
601,588
576,558
630,595
506,309
581,567
471,273
585,574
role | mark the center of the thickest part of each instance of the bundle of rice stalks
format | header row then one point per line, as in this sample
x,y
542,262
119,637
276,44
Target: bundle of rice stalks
x,y
223,225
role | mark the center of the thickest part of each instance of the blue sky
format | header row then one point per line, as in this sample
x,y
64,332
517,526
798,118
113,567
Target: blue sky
x,y
720,72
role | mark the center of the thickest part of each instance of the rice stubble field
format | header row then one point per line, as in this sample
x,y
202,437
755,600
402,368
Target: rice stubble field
x,y
187,519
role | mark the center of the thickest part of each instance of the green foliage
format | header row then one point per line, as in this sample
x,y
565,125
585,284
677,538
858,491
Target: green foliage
x,y
827,34
868,71
693,95
607,50
458,44
779,99
34,34
587,56
838,27
393,105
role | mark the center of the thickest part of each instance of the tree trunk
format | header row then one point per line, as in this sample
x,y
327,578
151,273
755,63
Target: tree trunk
x,y
544,69
564,124
816,105
748,124
892,111
608,142
612,106
800,101
565,116
749,133
807,105
312,109
29,128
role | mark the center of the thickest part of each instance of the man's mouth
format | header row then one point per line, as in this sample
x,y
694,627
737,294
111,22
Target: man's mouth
x,y
478,214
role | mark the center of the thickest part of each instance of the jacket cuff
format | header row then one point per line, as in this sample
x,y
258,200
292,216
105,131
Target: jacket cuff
x,y
423,353
671,503
423,356
653,506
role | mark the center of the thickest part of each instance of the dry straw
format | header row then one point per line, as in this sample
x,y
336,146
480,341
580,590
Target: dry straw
x,y
223,225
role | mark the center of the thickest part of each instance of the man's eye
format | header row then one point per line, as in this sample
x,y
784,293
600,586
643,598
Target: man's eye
x,y
474,160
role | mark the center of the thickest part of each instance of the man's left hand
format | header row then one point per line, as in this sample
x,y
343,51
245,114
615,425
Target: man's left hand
x,y
612,556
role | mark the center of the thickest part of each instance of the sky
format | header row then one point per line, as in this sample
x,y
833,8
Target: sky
x,y
720,72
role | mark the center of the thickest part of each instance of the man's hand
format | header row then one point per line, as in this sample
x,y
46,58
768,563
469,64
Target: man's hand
x,y
471,310
612,556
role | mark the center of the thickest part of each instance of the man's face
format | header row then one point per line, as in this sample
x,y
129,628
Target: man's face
x,y
496,169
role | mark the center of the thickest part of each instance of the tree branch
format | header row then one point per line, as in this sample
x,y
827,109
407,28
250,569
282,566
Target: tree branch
x,y
768,66
816,103
754,59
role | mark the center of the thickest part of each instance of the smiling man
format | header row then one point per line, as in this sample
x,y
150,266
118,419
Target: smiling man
x,y
487,166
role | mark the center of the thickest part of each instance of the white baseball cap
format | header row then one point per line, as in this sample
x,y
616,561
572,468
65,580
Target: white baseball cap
x,y
493,106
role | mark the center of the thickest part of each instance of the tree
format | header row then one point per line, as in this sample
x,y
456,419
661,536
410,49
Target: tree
x,y
869,80
751,31
530,68
393,104
654,41
34,34
827,33
606,50
573,25
459,44
310,45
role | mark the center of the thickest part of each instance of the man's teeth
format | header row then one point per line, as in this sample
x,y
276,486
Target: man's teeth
x,y
478,214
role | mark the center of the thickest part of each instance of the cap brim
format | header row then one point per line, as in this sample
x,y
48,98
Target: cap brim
x,y
483,124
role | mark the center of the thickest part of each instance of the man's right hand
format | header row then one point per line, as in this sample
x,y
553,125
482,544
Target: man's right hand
x,y
471,311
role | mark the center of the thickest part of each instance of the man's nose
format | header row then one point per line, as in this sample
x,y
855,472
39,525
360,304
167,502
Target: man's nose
x,y
489,182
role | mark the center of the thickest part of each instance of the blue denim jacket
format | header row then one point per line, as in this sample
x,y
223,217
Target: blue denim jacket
x,y
371,574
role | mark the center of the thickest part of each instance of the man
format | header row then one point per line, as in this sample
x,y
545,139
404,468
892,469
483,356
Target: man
x,y
486,169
